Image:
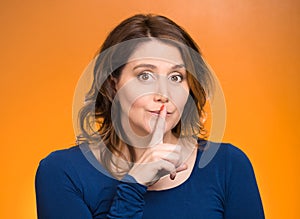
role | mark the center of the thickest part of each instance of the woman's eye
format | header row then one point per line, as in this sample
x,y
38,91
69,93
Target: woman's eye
x,y
145,76
177,78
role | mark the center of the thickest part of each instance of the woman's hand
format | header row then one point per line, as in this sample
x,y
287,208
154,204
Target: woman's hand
x,y
159,159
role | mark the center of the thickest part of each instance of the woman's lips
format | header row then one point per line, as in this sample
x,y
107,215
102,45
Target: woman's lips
x,y
156,112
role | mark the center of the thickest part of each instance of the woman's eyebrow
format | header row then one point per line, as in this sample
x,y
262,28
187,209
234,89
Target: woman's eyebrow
x,y
154,67
178,66
145,66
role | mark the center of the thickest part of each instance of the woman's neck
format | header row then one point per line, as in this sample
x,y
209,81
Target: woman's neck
x,y
169,138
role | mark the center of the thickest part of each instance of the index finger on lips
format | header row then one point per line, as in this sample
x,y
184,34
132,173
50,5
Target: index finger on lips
x,y
158,132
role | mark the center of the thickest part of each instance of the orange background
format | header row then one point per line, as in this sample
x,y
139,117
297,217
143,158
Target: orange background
x,y
253,46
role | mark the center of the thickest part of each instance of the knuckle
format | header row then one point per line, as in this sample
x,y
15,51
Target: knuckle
x,y
171,167
178,148
154,155
176,157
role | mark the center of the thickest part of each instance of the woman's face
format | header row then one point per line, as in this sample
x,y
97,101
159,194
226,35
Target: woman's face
x,y
155,75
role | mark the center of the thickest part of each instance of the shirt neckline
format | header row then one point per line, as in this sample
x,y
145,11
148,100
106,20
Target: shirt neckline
x,y
88,154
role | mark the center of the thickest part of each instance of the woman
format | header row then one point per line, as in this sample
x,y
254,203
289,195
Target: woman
x,y
142,136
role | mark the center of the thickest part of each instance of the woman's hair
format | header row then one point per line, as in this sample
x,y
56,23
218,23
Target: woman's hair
x,y
95,117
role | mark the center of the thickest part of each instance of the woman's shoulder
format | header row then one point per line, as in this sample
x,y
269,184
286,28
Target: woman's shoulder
x,y
223,153
59,165
223,163
57,170
61,157
76,162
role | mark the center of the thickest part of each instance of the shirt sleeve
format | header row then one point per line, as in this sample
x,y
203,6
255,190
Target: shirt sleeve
x,y
129,199
59,194
242,195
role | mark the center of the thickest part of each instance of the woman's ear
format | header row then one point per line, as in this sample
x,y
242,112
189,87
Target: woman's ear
x,y
113,82
110,88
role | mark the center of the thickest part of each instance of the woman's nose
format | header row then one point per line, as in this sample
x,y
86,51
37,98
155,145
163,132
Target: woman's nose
x,y
161,98
161,93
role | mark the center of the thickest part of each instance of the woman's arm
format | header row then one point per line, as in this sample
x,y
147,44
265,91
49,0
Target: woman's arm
x,y
60,195
129,199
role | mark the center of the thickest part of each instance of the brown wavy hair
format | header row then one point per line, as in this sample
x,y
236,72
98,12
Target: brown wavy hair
x,y
95,117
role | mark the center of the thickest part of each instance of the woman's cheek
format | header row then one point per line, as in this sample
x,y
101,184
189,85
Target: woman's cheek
x,y
180,101
139,116
178,94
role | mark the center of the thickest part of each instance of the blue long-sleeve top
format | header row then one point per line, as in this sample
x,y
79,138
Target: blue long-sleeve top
x,y
72,184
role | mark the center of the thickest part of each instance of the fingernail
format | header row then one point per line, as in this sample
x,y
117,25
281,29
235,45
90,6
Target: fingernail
x,y
172,176
163,111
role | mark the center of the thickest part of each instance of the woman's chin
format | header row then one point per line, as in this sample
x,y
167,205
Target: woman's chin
x,y
141,131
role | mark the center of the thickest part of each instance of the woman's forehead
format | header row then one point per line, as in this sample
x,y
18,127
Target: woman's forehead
x,y
156,51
